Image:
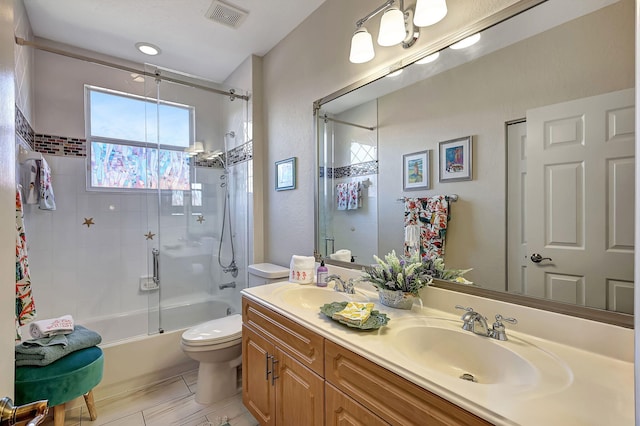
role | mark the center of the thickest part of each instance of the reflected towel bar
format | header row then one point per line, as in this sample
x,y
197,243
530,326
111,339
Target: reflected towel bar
x,y
451,197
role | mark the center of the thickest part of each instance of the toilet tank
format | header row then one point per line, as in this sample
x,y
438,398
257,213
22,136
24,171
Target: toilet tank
x,y
266,273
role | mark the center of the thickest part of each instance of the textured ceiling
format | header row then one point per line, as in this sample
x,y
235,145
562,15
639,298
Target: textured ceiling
x,y
190,42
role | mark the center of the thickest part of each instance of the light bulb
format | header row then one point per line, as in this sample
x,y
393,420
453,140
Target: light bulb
x,y
429,12
428,59
392,29
361,47
466,42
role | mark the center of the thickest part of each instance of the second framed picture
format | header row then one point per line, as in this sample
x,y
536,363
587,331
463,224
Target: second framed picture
x,y
455,158
416,171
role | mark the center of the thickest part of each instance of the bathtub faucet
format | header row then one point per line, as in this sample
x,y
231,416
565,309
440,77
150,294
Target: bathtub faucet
x,y
231,284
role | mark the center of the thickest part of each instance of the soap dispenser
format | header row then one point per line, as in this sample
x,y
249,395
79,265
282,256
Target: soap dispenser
x,y
321,275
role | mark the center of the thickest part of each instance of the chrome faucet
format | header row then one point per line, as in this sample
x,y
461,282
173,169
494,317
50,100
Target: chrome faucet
x,y
340,285
231,284
471,318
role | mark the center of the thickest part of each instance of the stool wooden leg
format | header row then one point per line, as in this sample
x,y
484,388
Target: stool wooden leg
x,y
91,405
58,415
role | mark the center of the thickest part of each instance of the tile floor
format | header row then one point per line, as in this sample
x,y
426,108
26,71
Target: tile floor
x,y
171,402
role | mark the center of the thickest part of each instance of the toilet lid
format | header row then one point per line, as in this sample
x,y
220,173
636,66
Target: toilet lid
x,y
216,331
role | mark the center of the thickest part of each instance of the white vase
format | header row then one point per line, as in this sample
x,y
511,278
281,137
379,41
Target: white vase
x,y
396,298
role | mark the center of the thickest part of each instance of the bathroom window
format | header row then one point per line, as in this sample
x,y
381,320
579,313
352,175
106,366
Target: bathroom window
x,y
137,143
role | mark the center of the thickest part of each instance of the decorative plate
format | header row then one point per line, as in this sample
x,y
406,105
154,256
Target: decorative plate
x,y
375,320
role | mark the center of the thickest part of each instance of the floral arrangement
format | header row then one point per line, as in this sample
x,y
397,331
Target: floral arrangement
x,y
410,274
405,274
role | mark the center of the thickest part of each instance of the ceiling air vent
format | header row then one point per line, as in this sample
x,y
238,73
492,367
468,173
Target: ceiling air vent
x,y
226,14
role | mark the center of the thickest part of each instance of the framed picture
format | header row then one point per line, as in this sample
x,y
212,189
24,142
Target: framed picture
x,y
416,171
456,159
286,174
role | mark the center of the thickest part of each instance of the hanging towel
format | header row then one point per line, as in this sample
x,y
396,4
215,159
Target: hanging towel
x,y
51,327
30,353
342,196
32,194
354,192
46,199
25,307
430,215
412,239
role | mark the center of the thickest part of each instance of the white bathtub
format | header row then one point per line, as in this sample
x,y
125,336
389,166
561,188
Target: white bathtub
x,y
135,359
175,316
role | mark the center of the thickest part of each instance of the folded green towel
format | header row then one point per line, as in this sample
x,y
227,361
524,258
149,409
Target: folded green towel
x,y
34,353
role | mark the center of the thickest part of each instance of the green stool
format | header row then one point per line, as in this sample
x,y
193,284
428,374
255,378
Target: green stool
x,y
61,381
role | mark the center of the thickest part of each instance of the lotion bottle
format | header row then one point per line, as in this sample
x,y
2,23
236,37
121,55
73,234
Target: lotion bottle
x,y
321,275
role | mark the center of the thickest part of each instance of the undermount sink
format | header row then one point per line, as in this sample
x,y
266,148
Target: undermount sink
x,y
441,346
311,297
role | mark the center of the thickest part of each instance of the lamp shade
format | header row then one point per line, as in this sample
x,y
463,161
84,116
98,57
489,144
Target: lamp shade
x,y
361,47
392,29
429,12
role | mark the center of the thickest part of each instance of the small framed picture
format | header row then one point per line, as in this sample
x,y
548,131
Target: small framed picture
x,y
416,171
286,174
456,159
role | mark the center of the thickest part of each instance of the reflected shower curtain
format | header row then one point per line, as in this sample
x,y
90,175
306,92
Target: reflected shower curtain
x,y
425,225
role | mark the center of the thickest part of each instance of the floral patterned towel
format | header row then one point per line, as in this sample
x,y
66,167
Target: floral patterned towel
x,y
342,196
431,216
25,307
354,192
46,200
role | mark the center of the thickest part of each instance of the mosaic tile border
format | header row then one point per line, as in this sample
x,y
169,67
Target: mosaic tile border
x,y
237,155
60,145
352,170
24,129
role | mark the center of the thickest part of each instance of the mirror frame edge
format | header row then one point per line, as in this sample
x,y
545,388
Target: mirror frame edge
x,y
593,314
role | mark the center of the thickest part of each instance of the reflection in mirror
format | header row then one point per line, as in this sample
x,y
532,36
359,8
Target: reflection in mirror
x,y
549,103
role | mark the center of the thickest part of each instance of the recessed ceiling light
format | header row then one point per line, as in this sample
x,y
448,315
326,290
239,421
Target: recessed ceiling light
x,y
148,48
428,59
471,40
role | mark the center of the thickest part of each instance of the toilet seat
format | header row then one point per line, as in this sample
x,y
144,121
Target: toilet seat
x,y
216,332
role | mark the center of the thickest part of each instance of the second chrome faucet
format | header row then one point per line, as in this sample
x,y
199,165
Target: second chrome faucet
x,y
477,323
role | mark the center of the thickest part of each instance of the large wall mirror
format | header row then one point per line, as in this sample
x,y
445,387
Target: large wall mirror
x,y
547,99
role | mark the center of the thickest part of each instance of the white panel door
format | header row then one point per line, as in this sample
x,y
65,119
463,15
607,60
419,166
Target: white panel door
x,y
579,200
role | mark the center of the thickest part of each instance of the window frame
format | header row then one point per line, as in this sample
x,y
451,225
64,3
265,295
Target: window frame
x,y
88,89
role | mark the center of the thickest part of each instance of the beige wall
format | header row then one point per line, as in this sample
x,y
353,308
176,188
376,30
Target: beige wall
x,y
7,197
311,62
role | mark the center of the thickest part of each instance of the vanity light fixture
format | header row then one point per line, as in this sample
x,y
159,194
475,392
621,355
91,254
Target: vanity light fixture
x,y
148,48
396,27
466,42
428,59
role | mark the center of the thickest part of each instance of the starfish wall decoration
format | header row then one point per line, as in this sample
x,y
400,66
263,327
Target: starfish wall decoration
x,y
88,221
149,235
200,219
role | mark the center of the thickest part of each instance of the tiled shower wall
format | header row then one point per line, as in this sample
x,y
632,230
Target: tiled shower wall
x,y
95,271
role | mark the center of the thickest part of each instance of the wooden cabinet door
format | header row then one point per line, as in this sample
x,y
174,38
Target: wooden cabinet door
x,y
258,394
299,393
341,410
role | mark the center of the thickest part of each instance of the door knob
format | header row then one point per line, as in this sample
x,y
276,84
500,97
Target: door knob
x,y
537,258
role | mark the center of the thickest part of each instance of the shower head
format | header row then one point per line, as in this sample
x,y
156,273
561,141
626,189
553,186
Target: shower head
x,y
231,134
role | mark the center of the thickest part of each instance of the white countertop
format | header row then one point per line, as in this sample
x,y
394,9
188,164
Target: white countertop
x,y
573,387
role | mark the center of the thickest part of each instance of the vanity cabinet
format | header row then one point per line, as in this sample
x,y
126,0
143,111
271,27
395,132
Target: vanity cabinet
x,y
283,364
293,376
391,397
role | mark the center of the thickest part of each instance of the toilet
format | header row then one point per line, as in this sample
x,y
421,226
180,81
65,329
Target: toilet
x,y
217,346
266,273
